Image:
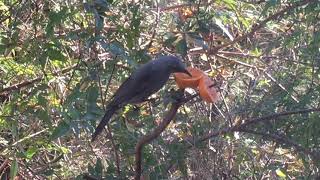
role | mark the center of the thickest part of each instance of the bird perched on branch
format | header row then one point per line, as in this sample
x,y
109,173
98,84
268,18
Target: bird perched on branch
x,y
146,80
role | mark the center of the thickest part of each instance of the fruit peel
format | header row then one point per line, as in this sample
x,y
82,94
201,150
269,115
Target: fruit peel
x,y
183,80
207,91
199,80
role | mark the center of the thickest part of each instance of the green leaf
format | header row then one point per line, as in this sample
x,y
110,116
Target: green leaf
x,y
117,50
280,173
269,4
30,152
111,168
169,39
79,177
101,6
98,22
183,167
3,7
60,130
230,3
65,150
92,107
48,172
92,94
182,47
91,170
98,168
14,169
44,115
55,53
56,18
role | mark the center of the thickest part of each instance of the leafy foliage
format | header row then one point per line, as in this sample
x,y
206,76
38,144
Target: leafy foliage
x,y
61,61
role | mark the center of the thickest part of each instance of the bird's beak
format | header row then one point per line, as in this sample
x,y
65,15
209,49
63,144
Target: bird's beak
x,y
187,72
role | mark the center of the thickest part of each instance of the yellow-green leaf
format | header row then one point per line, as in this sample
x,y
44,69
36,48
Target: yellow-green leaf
x,y
280,173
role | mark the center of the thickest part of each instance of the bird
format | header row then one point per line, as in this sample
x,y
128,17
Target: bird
x,y
145,81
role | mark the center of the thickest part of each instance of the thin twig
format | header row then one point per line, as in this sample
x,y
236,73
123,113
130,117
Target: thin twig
x,y
33,81
108,126
170,8
155,26
262,70
4,164
29,136
258,26
248,122
110,78
274,116
238,62
281,86
278,138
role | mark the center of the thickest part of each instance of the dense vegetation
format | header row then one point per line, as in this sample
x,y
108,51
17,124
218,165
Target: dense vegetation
x,y
61,61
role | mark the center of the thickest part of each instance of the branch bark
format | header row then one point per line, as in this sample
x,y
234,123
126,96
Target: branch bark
x,y
243,127
33,81
280,139
151,136
253,121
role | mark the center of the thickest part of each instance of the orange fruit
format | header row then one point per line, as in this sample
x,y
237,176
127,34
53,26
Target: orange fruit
x,y
183,80
207,92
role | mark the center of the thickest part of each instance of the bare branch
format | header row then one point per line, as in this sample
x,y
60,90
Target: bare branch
x,y
243,126
33,81
280,139
258,26
274,116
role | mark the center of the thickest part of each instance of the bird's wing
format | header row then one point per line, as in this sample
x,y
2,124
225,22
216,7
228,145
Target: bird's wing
x,y
131,88
138,87
147,87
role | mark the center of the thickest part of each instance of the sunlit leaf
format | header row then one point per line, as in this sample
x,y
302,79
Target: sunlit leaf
x,y
30,152
280,173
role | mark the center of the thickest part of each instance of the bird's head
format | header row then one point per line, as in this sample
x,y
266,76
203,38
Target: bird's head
x,y
176,65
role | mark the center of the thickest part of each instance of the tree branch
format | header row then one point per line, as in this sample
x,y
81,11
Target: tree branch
x,y
151,136
33,81
253,121
258,26
273,116
282,139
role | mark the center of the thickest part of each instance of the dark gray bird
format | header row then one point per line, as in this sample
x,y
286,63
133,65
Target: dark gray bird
x,y
146,80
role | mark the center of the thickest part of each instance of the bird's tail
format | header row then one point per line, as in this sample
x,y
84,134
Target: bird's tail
x,y
107,116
